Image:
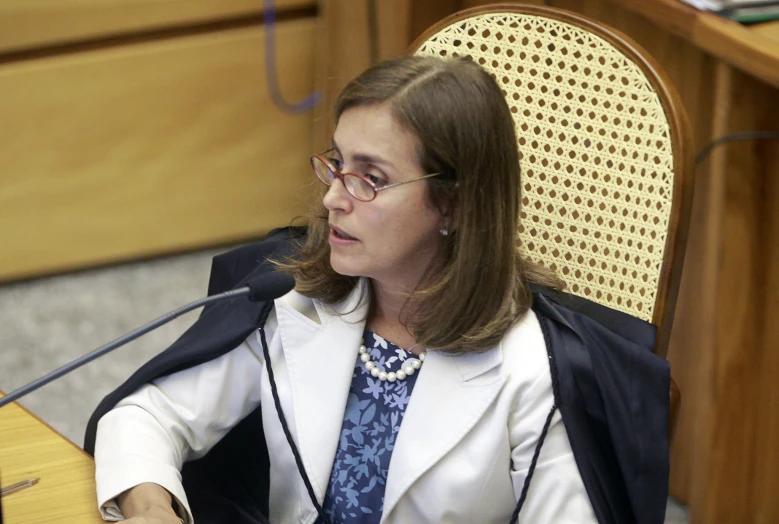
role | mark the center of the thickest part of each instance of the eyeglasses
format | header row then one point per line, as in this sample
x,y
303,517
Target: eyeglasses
x,y
359,186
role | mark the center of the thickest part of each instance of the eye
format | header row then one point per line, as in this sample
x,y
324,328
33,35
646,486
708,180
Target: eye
x,y
377,181
336,163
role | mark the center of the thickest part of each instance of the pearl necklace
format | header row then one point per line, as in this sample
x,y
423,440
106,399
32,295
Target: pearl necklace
x,y
409,367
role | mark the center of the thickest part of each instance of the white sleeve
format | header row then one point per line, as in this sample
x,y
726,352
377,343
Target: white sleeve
x,y
556,493
149,435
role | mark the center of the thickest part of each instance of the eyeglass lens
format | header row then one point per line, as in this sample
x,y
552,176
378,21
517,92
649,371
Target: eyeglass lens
x,y
356,186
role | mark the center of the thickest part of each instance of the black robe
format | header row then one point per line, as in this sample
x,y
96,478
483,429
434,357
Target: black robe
x,y
612,392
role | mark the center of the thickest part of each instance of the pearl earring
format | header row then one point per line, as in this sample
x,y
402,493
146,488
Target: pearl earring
x,y
444,232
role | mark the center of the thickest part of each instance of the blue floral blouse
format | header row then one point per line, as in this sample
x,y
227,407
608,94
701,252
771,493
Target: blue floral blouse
x,y
372,419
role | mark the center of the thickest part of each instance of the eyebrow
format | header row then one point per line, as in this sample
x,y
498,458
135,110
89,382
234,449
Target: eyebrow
x,y
365,159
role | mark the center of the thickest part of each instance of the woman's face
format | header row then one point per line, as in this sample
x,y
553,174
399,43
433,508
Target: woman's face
x,y
393,238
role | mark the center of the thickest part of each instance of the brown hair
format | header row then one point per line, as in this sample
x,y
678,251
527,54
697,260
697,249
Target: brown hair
x,y
479,286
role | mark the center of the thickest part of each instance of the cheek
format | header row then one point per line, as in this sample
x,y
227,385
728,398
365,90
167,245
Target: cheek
x,y
399,226
418,229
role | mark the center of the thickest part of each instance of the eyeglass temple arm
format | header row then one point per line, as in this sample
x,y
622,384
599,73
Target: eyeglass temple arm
x,y
408,181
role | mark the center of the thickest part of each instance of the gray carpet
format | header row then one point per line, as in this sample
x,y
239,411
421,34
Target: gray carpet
x,y
48,322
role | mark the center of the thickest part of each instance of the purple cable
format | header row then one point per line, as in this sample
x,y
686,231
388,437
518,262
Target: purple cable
x,y
308,103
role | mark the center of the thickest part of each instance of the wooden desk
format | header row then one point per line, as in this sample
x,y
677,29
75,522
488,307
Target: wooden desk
x,y
30,448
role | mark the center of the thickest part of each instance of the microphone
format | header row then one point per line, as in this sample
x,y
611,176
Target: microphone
x,y
267,286
264,287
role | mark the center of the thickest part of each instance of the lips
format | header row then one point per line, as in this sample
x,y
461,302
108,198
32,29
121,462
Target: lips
x,y
340,233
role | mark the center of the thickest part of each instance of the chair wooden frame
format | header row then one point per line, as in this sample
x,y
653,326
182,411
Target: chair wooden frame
x,y
681,138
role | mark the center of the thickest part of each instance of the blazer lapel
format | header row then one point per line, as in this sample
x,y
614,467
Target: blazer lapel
x,y
320,360
450,396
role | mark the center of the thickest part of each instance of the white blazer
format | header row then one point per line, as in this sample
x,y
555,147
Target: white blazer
x,y
461,454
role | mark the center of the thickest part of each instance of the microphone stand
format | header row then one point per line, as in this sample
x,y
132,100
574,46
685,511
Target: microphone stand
x,y
124,339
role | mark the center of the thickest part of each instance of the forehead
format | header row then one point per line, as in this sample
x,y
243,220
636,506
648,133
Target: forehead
x,y
372,130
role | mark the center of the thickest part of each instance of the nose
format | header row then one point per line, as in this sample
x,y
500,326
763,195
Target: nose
x,y
337,197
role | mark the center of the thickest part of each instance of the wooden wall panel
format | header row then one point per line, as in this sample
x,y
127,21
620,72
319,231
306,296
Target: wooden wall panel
x,y
343,48
744,384
27,24
425,14
475,3
736,339
767,437
694,329
151,148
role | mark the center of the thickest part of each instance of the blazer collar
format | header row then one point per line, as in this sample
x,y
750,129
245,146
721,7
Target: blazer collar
x,y
320,359
450,396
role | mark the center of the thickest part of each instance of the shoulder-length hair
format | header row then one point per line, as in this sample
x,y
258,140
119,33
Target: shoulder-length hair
x,y
478,287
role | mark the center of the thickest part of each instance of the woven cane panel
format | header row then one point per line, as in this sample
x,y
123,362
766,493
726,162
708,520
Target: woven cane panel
x,y
595,150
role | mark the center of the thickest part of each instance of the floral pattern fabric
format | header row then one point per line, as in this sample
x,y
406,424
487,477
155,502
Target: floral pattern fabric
x,y
374,410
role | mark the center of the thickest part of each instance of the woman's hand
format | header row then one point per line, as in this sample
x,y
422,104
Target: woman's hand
x,y
148,503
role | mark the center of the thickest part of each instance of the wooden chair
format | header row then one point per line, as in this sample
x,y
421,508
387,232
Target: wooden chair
x,y
605,147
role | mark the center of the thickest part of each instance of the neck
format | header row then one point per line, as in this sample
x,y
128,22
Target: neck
x,y
388,319
389,302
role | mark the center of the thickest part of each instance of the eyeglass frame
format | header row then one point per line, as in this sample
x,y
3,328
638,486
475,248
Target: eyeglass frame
x,y
340,176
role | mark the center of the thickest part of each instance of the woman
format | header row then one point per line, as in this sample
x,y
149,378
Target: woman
x,y
411,370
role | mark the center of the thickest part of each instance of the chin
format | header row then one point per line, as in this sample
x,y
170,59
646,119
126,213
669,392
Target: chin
x,y
343,267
